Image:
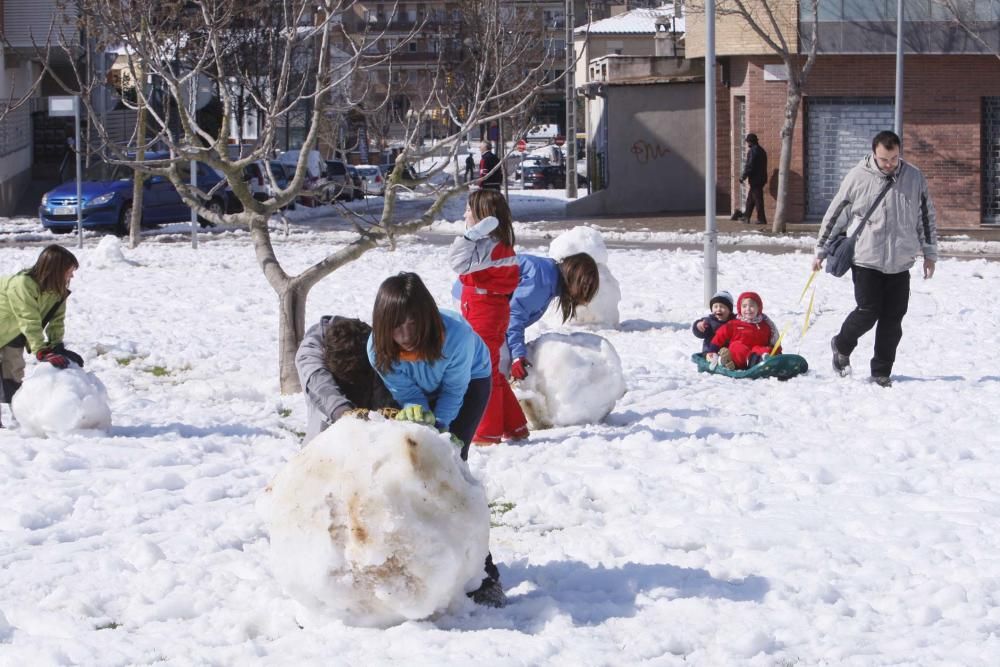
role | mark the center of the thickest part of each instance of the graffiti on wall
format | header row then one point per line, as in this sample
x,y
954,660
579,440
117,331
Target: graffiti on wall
x,y
646,152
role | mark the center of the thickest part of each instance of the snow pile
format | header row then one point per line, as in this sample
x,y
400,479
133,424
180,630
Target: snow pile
x,y
377,522
107,253
602,311
55,401
576,379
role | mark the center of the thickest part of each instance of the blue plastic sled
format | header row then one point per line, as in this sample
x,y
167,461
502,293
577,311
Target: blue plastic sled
x,y
782,366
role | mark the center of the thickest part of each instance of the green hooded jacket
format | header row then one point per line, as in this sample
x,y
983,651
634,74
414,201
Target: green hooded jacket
x,y
23,306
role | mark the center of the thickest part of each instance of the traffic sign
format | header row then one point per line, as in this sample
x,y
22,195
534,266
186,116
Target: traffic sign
x,y
560,139
522,145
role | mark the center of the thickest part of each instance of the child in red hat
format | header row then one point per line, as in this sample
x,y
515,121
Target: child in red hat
x,y
747,340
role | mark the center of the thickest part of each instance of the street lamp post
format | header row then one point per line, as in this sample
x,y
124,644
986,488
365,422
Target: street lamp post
x,y
570,75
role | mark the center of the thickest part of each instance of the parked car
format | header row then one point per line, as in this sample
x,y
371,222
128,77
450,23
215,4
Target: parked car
x,y
107,198
261,186
408,174
529,161
548,176
371,179
337,181
359,188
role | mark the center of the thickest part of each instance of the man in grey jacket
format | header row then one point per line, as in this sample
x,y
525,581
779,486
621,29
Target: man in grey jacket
x,y
332,362
902,225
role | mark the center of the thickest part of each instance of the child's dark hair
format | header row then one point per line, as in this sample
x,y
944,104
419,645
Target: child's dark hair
x,y
484,203
345,353
51,267
400,298
580,281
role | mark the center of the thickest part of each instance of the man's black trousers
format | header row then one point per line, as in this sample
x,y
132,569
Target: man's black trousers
x,y
882,300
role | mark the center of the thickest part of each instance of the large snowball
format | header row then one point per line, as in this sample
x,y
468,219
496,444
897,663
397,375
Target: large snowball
x,y
55,401
576,379
577,240
377,522
602,311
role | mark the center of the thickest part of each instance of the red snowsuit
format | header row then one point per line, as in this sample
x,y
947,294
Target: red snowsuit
x,y
745,338
488,272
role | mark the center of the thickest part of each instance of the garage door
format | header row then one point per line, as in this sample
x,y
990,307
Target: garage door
x,y
839,132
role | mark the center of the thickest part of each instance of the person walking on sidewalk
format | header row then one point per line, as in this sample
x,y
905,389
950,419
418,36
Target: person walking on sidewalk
x,y
490,173
755,174
901,225
470,168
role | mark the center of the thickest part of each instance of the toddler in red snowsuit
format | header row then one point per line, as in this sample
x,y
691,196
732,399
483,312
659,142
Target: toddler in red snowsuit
x,y
746,340
487,268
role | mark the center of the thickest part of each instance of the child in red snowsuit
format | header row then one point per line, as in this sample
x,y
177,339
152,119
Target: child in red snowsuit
x,y
747,340
487,267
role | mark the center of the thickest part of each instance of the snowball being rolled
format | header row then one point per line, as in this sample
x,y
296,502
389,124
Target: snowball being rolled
x,y
377,522
575,379
54,401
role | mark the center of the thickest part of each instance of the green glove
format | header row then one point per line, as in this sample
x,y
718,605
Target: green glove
x,y
416,413
455,440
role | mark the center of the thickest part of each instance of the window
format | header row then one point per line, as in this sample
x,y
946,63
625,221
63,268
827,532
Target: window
x,y
554,18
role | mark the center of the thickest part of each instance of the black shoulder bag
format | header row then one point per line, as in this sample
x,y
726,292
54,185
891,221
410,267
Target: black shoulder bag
x,y
840,251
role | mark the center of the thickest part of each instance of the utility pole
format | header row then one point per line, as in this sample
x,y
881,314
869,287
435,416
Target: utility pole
x,y
711,268
570,75
898,120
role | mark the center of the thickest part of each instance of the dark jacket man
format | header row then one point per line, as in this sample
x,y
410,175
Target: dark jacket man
x,y
755,173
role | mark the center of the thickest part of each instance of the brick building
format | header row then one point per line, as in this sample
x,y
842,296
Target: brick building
x,y
951,103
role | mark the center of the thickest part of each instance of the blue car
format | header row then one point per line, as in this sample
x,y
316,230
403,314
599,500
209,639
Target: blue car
x,y
107,199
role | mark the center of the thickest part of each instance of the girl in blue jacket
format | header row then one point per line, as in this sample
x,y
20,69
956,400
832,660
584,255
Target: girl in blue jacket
x,y
430,360
574,281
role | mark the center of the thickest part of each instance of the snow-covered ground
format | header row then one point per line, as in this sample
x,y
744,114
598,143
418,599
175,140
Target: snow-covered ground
x,y
708,521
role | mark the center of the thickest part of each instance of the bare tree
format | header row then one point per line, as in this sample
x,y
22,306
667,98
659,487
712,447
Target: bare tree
x,y
776,23
313,66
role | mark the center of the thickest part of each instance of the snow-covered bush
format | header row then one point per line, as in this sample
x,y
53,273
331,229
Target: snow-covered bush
x,y
575,379
377,522
602,311
55,401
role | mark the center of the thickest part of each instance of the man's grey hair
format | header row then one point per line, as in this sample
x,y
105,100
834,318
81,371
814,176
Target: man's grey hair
x,y
487,144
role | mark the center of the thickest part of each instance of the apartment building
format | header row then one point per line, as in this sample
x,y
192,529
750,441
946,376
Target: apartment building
x,y
951,100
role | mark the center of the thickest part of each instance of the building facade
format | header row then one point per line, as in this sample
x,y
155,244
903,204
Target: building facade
x,y
951,101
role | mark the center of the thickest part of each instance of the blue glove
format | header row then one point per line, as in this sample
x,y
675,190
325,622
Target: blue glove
x,y
416,413
482,229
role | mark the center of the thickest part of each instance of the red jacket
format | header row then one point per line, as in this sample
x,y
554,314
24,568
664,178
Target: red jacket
x,y
485,266
750,334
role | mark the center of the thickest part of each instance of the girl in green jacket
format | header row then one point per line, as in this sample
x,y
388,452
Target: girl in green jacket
x,y
33,316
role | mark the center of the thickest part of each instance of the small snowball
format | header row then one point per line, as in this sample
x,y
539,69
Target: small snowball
x,y
107,253
377,522
55,401
576,379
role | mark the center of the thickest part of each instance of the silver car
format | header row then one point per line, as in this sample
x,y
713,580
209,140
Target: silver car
x,y
371,179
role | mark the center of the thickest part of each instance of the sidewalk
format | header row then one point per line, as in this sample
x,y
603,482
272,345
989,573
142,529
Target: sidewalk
x,y
695,223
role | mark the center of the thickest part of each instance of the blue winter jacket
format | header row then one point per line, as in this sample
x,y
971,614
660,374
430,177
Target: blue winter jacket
x,y
538,285
439,385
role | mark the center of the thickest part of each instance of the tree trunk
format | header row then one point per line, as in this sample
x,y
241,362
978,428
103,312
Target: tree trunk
x,y
785,159
291,329
135,220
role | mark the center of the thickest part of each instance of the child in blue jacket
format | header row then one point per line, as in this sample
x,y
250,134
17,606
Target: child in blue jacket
x,y
721,305
574,281
432,362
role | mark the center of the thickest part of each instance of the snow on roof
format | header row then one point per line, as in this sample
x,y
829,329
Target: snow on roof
x,y
637,21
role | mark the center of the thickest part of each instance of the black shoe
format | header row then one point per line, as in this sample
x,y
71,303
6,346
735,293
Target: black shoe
x,y
881,380
489,594
841,362
762,222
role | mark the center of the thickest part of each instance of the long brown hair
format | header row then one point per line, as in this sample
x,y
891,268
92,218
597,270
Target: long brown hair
x,y
484,203
51,267
400,298
580,281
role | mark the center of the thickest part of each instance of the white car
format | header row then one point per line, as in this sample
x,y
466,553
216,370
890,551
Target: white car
x,y
371,179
